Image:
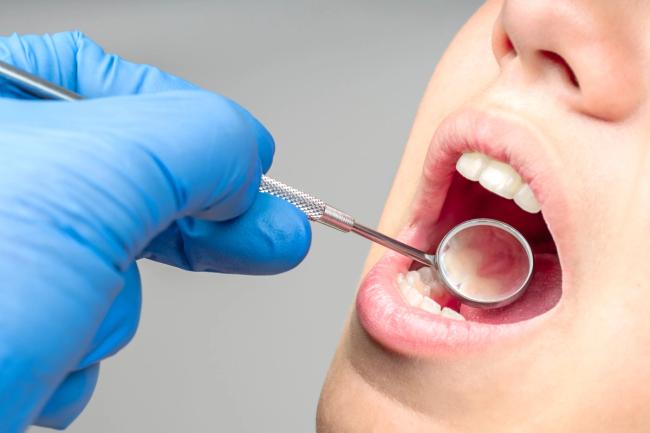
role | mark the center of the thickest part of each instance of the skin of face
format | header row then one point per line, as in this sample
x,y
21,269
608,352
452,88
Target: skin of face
x,y
577,73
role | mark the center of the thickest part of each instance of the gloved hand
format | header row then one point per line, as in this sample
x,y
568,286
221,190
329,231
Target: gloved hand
x,y
150,166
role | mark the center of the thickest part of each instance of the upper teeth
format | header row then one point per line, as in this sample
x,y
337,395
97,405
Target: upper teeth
x,y
499,178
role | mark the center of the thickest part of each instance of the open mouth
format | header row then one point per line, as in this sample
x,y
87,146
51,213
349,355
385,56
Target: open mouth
x,y
479,165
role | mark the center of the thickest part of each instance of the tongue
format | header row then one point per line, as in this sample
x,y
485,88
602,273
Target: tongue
x,y
543,293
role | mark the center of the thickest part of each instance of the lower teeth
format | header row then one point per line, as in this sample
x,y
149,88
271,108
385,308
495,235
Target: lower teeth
x,y
420,289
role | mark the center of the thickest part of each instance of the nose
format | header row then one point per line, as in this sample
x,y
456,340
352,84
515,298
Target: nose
x,y
583,51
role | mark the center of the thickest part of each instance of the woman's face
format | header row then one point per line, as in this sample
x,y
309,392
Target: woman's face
x,y
558,90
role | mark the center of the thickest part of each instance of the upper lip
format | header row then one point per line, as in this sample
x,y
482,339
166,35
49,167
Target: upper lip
x,y
501,136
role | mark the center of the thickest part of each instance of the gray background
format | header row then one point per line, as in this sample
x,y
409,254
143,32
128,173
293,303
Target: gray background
x,y
338,84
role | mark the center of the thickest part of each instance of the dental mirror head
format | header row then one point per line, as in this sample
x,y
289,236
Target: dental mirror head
x,y
485,263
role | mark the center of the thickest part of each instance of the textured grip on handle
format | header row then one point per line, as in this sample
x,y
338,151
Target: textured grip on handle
x,y
315,209
311,206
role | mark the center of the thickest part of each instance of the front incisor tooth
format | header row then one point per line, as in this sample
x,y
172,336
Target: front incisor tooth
x,y
471,165
501,179
451,314
526,200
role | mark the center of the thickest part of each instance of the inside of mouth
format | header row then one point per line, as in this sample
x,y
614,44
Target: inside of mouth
x,y
467,200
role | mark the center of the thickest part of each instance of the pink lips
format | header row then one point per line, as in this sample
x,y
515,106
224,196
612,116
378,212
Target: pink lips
x,y
411,331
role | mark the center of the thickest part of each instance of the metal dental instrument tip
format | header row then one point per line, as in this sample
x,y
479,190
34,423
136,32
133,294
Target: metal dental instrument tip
x,y
483,262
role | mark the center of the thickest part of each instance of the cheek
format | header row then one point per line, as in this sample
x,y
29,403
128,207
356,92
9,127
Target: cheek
x,y
610,352
610,208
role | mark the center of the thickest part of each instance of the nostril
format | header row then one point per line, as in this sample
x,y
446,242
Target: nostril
x,y
559,61
501,44
508,45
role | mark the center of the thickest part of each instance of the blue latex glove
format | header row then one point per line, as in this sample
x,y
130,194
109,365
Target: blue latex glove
x,y
153,167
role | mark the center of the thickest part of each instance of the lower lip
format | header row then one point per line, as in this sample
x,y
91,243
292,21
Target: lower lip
x,y
414,332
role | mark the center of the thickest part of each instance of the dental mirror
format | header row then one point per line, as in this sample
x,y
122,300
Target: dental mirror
x,y
485,263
